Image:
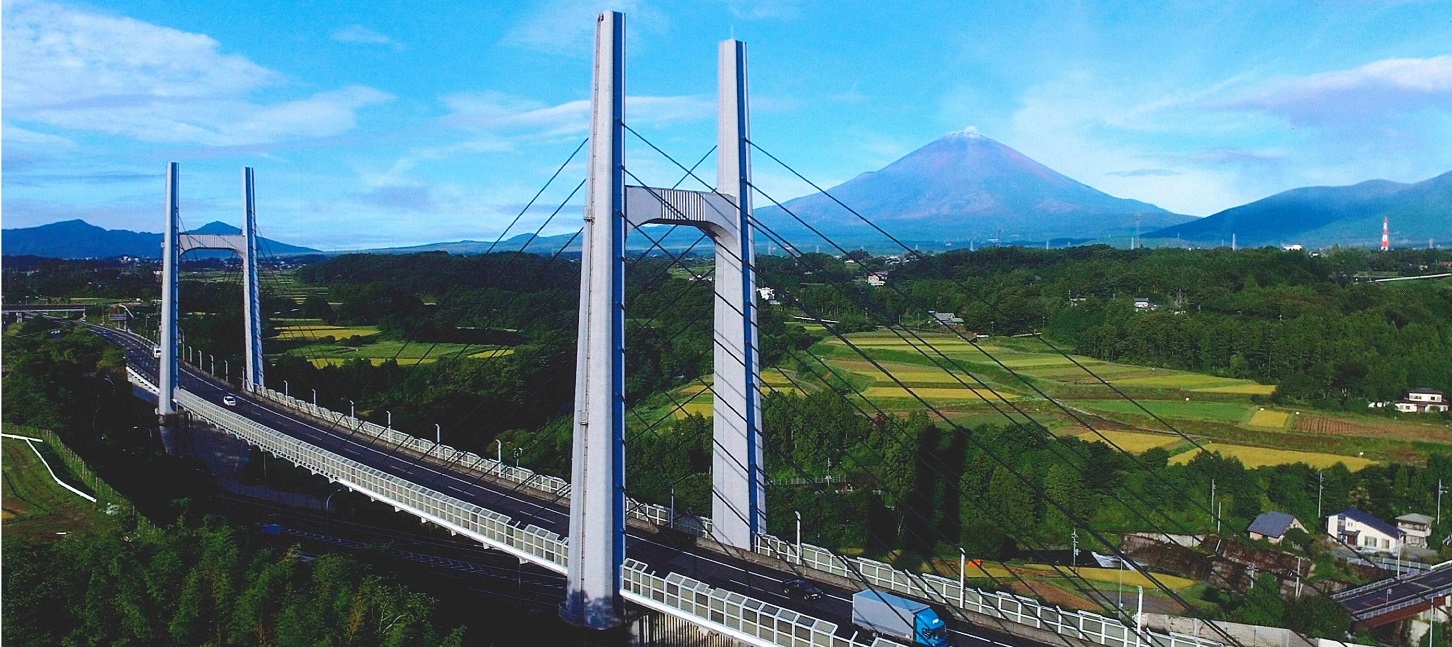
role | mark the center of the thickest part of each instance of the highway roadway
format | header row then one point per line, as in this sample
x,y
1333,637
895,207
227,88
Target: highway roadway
x,y
1395,595
527,506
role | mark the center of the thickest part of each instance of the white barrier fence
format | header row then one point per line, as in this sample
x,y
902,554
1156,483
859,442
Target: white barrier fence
x,y
725,612
468,461
1006,606
1091,627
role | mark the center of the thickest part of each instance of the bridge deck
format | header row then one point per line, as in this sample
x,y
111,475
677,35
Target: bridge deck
x,y
754,576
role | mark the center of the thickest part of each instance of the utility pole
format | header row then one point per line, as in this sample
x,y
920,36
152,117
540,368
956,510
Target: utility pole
x,y
1074,552
1320,486
1212,504
1440,490
799,536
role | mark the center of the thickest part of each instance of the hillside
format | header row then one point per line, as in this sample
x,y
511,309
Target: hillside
x,y
80,239
1324,216
966,187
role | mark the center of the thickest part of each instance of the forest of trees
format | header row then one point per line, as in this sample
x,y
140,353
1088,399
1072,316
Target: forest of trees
x,y
203,583
191,581
909,487
1309,323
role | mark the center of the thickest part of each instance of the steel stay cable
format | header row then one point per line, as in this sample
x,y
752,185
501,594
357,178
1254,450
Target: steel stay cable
x,y
521,213
994,306
787,248
1016,473
510,263
918,344
1195,501
572,239
539,437
736,257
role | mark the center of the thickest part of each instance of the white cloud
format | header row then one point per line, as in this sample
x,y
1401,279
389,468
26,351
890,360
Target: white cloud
x,y
567,26
360,35
1378,91
83,70
508,114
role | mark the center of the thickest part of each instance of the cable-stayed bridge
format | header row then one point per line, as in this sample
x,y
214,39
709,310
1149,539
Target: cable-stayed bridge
x,y
726,575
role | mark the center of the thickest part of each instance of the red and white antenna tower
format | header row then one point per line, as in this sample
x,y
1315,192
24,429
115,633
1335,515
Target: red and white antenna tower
x,y
1385,234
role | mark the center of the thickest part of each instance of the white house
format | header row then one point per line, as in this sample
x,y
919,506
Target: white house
x,y
1364,532
1416,528
877,279
1422,401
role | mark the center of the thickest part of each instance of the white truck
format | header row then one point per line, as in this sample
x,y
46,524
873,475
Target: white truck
x,y
897,617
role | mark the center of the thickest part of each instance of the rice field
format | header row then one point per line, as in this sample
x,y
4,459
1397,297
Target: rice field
x,y
306,330
937,393
306,336
1229,412
1042,364
1129,578
1269,419
1131,441
1253,457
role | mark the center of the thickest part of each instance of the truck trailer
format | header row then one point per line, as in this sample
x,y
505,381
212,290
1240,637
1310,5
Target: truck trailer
x,y
898,617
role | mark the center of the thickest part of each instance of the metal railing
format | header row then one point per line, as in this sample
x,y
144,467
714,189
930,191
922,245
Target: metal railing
x,y
1013,608
1091,627
470,462
732,614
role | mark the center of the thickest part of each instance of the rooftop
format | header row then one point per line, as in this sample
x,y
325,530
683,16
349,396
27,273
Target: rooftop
x,y
1272,524
1367,520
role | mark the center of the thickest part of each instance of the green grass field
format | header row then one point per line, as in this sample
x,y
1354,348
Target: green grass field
x,y
307,338
34,505
1024,369
1253,457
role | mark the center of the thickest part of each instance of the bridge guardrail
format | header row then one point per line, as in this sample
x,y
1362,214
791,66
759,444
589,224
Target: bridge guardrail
x,y
1091,627
1087,626
552,485
723,611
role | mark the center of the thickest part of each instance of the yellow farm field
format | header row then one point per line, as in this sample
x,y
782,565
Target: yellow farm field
x,y
1253,457
937,393
1249,388
1109,575
376,361
1131,441
1269,419
309,332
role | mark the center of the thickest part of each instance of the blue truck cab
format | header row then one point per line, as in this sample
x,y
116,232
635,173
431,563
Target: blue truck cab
x,y
898,617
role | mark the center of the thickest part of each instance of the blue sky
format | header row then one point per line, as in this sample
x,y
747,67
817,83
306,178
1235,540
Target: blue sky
x,y
391,123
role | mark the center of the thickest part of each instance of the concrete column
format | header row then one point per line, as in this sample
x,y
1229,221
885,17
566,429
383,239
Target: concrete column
x,y
170,258
251,289
738,484
597,507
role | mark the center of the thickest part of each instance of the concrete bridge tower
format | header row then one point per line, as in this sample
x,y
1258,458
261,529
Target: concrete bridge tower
x,y
597,512
174,244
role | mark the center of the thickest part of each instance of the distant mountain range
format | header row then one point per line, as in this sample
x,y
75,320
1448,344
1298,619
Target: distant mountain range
x,y
960,188
80,239
1330,215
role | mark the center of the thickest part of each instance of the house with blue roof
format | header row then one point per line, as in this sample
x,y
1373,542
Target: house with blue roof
x,y
1273,526
1363,532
